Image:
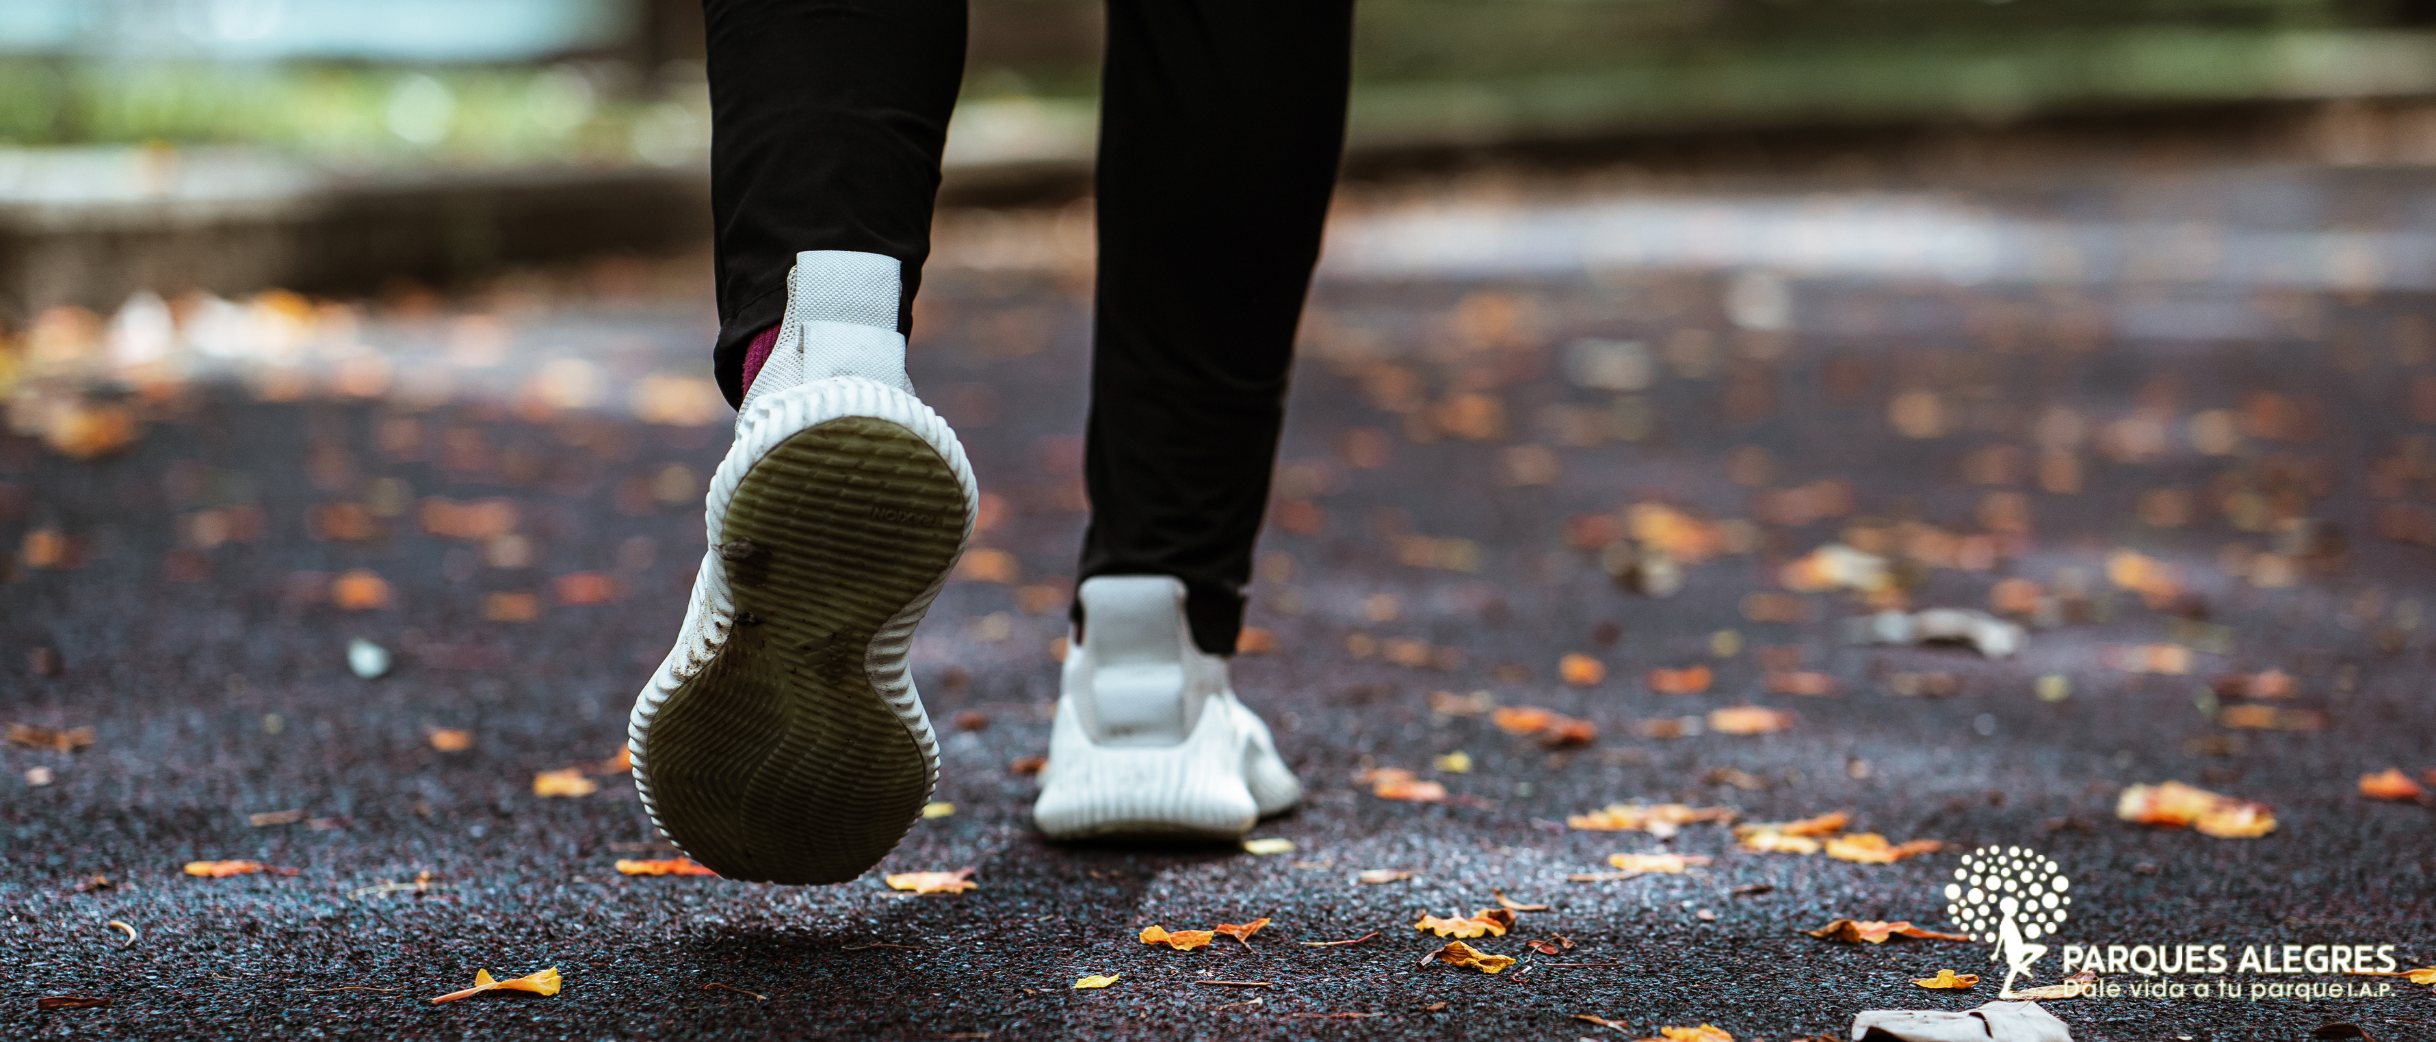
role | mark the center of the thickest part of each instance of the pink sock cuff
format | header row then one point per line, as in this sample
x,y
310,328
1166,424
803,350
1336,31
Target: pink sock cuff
x,y
757,353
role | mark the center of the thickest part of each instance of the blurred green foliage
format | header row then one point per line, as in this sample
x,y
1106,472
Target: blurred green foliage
x,y
1424,68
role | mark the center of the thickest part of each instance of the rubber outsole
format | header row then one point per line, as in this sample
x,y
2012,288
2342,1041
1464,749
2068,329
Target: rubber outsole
x,y
780,761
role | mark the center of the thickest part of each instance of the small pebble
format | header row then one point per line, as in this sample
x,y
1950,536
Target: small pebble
x,y
38,776
367,659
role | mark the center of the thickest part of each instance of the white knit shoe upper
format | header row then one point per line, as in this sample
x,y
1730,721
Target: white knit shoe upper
x,y
1149,736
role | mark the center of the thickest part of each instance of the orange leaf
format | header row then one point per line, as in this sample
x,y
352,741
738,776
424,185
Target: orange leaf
x,y
1801,683
1824,825
955,882
1565,732
66,740
2175,805
2270,718
359,590
1703,1033
448,740
225,869
1690,680
1522,719
2390,784
1457,953
1749,720
1870,848
1242,931
1874,932
1180,940
543,983
1396,783
1948,980
1487,921
1581,670
1660,820
670,866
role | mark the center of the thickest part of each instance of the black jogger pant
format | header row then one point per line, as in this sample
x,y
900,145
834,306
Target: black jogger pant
x,y
1220,128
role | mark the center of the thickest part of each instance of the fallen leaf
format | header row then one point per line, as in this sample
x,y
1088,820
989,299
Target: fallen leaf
x,y
2273,683
1457,953
1703,1033
669,866
451,741
66,740
1740,779
1554,944
1396,783
1870,848
1566,732
566,781
2390,784
71,1001
2072,987
955,882
2271,718
1661,820
1027,766
1875,932
1749,720
1836,566
1766,842
543,983
1690,680
359,590
1096,981
1801,682
937,809
1180,940
276,817
1268,845
1512,905
1603,1022
1241,931
1382,875
1487,921
1457,762
225,869
1580,670
1334,944
1827,824
2175,805
1948,980
1668,864
1992,637
1522,719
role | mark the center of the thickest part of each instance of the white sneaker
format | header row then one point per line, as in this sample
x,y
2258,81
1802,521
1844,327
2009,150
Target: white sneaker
x,y
1149,738
782,739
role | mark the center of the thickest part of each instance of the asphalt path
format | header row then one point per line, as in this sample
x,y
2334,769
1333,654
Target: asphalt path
x,y
1447,433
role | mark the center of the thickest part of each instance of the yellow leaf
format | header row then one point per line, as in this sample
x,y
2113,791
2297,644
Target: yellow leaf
x,y
1870,848
1096,981
1269,845
937,809
1487,921
1948,980
1457,762
1669,864
1180,940
1703,1033
1457,953
566,781
955,882
545,982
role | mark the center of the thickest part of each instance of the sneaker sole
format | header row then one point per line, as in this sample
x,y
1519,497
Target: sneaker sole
x,y
782,760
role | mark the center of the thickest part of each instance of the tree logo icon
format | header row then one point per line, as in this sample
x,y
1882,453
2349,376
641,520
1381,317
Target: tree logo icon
x,y
2009,897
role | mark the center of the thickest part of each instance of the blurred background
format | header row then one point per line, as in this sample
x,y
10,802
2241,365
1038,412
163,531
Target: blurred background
x,y
335,145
